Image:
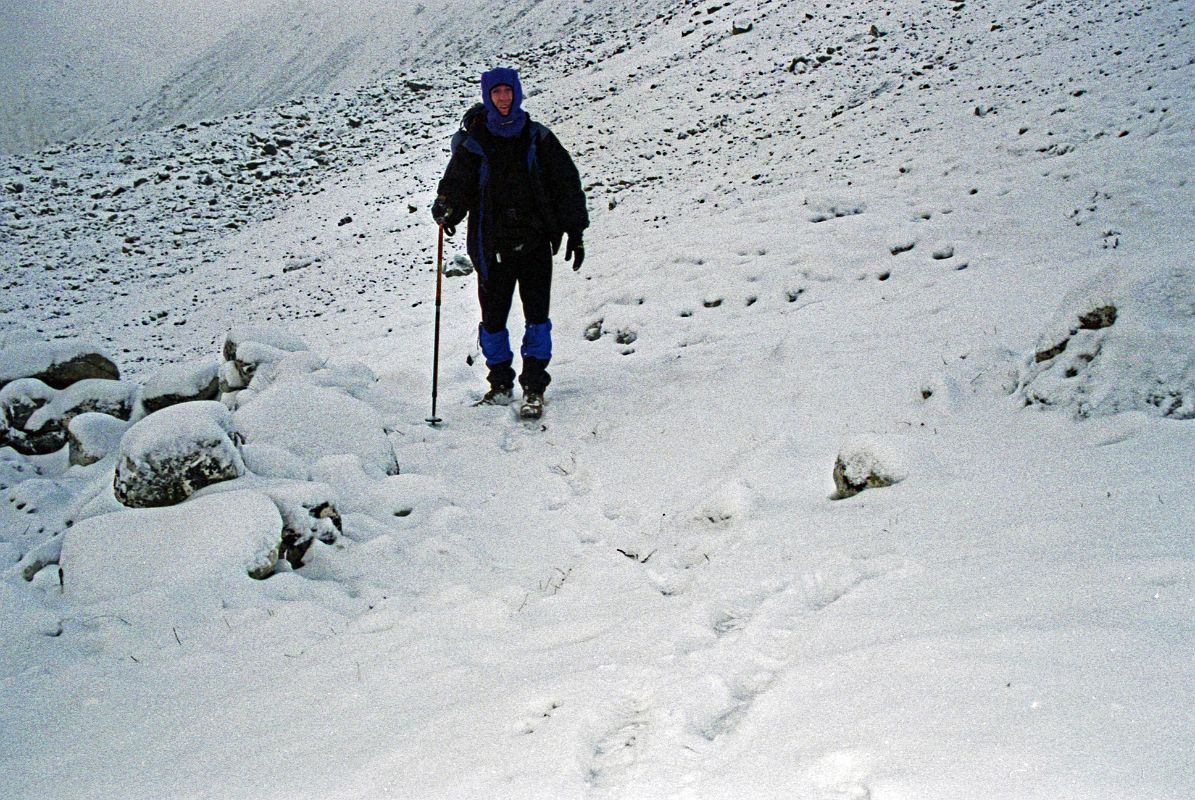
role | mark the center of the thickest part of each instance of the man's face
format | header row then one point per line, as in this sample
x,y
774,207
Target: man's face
x,y
503,97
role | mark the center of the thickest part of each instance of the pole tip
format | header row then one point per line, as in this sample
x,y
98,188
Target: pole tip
x,y
433,421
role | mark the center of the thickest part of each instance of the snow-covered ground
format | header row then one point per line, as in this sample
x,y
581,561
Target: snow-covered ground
x,y
884,231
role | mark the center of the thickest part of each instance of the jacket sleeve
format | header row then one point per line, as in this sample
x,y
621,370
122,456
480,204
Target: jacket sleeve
x,y
459,186
563,183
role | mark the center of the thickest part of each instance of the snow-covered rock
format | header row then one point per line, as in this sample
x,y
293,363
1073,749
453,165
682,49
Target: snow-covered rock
x,y
308,513
865,465
181,383
307,367
19,400
314,422
169,455
1120,342
248,347
57,364
114,398
92,436
184,555
459,266
271,461
310,510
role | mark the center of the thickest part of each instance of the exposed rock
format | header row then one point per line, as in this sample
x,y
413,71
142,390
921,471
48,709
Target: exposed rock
x,y
169,455
1097,318
858,467
1050,352
308,513
1120,342
459,266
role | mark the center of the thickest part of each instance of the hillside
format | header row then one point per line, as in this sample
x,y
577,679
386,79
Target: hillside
x,y
112,68
887,233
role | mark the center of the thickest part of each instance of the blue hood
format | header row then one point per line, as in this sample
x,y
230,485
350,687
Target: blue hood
x,y
512,124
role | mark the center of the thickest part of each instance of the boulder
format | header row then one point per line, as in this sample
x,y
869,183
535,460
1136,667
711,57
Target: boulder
x,y
57,364
114,398
863,466
312,422
459,266
19,400
1119,342
92,437
308,513
169,455
171,562
181,383
247,348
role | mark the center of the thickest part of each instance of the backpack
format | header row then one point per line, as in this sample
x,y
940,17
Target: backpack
x,y
472,115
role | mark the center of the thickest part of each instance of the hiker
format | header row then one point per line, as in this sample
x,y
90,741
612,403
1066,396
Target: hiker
x,y
523,196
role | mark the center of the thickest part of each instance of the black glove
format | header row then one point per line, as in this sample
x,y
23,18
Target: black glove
x,y
575,250
441,213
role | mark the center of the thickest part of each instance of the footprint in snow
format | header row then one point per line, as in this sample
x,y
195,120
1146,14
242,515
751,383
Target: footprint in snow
x,y
538,714
617,747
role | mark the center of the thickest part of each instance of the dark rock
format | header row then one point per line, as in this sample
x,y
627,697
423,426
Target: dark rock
x,y
1051,352
1094,320
91,437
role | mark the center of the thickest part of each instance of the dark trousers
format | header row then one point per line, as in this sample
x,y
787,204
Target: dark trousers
x,y
530,269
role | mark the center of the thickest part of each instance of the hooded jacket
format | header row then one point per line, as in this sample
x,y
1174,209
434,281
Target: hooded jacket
x,y
553,196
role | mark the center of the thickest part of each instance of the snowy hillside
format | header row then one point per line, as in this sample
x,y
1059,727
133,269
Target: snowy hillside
x,y
946,243
100,67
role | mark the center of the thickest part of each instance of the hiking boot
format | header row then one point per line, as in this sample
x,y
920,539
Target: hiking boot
x,y
496,396
533,405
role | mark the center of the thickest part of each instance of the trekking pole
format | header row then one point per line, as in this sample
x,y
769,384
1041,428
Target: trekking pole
x,y
433,420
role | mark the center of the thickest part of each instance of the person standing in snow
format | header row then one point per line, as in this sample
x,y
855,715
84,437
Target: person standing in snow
x,y
523,196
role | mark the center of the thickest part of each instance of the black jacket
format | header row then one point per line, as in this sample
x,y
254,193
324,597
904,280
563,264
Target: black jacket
x,y
481,180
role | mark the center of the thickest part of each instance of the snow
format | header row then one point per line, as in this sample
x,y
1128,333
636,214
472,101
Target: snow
x,y
652,592
159,561
1136,358
175,430
314,422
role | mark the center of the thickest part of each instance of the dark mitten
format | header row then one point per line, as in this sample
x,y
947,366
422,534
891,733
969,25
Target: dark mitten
x,y
441,211
575,250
